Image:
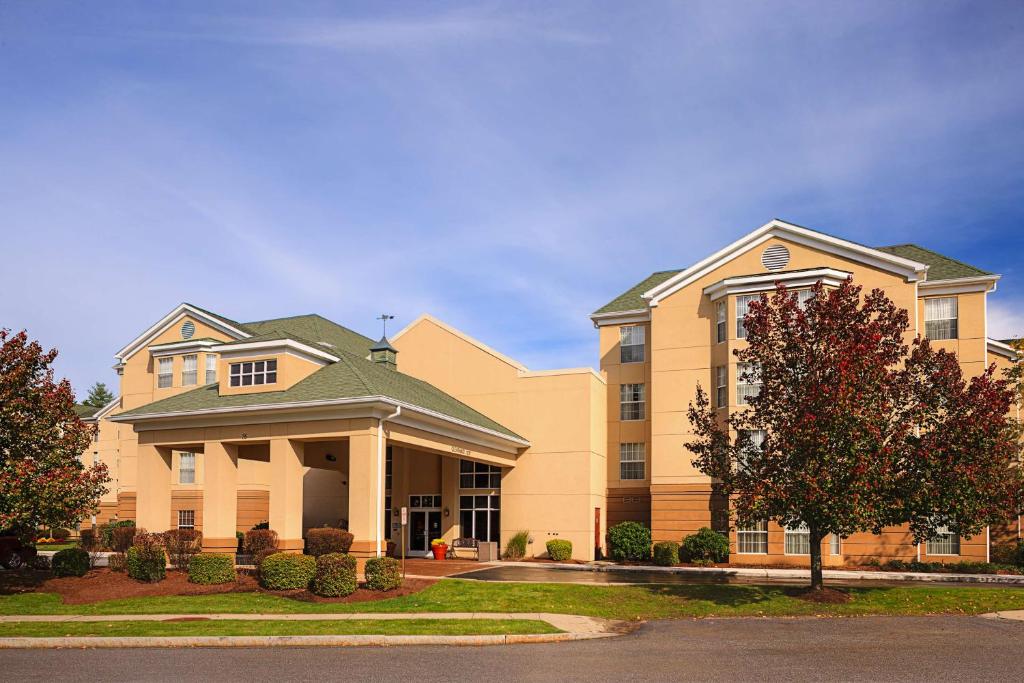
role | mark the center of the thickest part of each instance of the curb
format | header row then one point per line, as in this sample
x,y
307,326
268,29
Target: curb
x,y
20,643
1007,579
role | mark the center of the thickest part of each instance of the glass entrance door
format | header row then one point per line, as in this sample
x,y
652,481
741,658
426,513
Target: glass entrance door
x,y
424,523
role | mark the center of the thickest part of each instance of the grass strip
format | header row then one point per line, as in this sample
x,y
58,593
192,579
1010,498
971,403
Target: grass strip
x,y
612,602
395,627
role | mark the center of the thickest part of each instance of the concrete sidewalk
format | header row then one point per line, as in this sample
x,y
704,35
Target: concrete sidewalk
x,y
573,627
758,573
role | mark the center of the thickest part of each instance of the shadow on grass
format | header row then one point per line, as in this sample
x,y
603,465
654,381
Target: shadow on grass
x,y
721,594
14,581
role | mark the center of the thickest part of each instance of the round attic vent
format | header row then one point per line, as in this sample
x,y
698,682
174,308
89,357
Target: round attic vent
x,y
775,257
188,328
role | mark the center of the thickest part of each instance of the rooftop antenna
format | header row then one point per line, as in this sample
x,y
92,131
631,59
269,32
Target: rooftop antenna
x,y
384,318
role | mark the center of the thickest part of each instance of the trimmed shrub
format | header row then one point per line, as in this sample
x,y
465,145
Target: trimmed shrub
x,y
123,537
287,571
146,560
707,545
515,549
107,533
334,575
60,534
559,549
182,545
258,558
118,562
327,540
666,553
70,562
383,574
630,541
211,568
258,540
89,540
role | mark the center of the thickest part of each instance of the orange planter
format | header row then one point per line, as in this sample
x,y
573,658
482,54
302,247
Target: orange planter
x,y
440,551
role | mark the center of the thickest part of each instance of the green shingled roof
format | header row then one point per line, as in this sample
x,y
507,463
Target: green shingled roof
x,y
351,377
83,411
940,267
631,299
312,328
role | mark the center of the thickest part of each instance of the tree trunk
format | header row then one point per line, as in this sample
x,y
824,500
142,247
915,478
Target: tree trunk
x,y
817,581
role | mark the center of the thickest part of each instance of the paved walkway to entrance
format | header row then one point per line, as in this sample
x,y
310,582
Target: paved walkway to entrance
x,y
573,627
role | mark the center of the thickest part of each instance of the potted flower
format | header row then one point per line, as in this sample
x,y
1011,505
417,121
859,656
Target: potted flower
x,y
440,548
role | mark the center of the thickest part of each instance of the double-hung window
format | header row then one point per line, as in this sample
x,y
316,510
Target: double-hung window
x,y
940,318
748,382
944,542
187,468
631,344
165,373
752,538
186,519
722,386
720,321
798,540
632,458
252,373
742,304
188,370
478,475
631,402
755,442
803,296
211,368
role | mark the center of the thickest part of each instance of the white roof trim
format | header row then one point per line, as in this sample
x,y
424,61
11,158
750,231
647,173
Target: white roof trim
x,y
177,314
366,401
174,348
747,284
1000,349
640,315
794,233
246,348
465,337
961,285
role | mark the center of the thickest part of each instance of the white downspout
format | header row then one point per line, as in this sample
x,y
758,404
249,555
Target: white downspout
x,y
380,470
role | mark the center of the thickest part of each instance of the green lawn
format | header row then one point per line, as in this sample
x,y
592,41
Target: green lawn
x,y
403,627
57,546
614,602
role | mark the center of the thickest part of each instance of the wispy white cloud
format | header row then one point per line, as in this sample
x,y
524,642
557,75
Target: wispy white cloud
x,y
1005,319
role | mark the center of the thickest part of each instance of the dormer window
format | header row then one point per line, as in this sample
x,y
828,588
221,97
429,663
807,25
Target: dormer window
x,y
252,373
188,370
165,374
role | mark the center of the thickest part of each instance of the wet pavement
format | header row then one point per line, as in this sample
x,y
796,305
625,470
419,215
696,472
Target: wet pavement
x,y
612,576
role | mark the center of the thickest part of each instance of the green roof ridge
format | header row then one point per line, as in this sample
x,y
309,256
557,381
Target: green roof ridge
x,y
941,267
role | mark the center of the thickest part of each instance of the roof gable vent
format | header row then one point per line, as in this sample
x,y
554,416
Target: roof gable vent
x,y
188,328
775,257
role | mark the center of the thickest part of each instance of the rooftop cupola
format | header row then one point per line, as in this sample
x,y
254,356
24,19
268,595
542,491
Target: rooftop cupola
x,y
384,353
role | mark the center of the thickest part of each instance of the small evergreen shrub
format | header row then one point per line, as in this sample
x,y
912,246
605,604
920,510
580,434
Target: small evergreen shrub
x,y
666,553
182,545
70,562
118,562
630,541
107,533
515,549
258,540
287,571
211,568
146,560
707,545
334,574
559,549
327,540
258,558
383,574
60,534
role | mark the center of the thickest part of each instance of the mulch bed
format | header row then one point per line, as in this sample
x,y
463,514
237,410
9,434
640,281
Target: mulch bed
x,y
826,596
102,584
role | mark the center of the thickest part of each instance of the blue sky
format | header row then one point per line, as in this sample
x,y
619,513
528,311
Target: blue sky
x,y
507,167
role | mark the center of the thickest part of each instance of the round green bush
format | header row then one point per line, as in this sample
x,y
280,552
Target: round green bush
x,y
70,562
146,562
383,574
706,545
211,568
630,541
60,534
287,571
327,540
335,575
559,550
666,553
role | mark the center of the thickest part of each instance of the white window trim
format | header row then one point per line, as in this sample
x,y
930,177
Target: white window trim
x,y
741,387
189,377
632,454
751,531
642,402
955,320
802,530
168,376
253,373
211,368
636,331
186,526
721,382
182,470
721,322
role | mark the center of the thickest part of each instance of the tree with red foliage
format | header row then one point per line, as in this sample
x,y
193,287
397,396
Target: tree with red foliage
x,y
42,478
860,431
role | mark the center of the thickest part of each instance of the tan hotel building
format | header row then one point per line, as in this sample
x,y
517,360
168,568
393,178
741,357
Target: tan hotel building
x,y
302,422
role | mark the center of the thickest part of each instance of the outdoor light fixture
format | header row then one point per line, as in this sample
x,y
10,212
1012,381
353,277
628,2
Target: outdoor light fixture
x,y
446,512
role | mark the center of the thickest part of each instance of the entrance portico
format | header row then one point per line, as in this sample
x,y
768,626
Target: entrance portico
x,y
277,455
